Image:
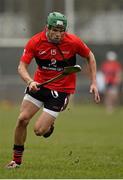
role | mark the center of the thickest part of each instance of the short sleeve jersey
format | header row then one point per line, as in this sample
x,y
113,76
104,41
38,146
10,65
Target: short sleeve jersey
x,y
111,70
38,47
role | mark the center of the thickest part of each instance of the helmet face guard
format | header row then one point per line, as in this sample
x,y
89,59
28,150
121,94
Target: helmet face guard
x,y
56,19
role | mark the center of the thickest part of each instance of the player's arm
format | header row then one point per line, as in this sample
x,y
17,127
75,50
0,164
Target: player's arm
x,y
84,51
24,74
92,68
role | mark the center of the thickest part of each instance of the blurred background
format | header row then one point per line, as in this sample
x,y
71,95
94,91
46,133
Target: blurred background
x,y
99,23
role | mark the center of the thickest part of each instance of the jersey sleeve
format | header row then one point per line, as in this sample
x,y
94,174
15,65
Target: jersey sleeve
x,y
82,49
28,52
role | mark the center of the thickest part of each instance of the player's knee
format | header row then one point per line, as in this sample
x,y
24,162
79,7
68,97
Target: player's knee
x,y
23,120
39,132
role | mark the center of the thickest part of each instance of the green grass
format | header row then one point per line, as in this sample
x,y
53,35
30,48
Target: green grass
x,y
87,143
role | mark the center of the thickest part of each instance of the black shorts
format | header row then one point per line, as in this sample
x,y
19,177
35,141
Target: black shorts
x,y
52,100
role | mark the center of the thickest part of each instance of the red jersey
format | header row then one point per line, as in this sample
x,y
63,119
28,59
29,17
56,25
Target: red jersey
x,y
51,58
111,70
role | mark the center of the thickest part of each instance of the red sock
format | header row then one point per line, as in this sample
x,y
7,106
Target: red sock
x,y
18,153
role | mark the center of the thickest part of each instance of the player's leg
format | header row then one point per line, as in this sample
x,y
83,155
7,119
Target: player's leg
x,y
111,98
27,110
55,103
114,96
45,123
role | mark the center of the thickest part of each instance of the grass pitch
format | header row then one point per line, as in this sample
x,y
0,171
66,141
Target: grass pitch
x,y
86,143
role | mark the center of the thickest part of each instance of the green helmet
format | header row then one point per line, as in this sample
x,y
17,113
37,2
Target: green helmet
x,y
56,19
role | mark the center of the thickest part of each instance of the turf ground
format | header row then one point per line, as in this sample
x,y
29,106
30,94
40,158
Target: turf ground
x,y
87,143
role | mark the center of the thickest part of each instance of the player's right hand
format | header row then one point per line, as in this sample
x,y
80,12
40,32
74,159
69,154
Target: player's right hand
x,y
94,91
33,86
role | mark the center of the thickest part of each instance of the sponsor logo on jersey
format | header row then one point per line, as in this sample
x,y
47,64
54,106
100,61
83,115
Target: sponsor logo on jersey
x,y
66,52
42,52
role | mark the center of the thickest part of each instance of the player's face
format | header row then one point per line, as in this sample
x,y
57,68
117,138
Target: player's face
x,y
56,34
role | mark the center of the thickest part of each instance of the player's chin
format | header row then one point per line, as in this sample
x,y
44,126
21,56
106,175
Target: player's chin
x,y
56,40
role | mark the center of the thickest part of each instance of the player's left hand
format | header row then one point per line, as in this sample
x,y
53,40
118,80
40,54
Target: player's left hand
x,y
94,91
